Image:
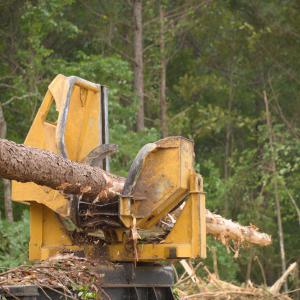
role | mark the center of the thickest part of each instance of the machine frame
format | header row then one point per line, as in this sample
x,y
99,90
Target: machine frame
x,y
165,179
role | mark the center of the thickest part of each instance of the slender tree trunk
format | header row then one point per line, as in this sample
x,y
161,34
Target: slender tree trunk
x,y
215,261
275,184
138,62
7,200
262,271
163,67
228,139
6,183
28,164
249,266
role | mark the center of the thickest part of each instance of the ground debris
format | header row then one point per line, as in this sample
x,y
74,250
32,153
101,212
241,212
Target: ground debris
x,y
67,274
191,287
220,290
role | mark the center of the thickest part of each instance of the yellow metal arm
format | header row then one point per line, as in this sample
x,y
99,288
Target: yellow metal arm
x,y
186,240
78,127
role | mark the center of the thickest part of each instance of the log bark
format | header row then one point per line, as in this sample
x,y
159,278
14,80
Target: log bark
x,y
27,164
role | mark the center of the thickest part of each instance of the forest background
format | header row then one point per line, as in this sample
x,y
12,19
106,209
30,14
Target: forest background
x,y
222,73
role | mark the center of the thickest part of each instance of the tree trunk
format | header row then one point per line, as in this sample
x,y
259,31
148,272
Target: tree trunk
x,y
275,184
6,183
163,66
249,266
228,139
7,201
215,261
138,62
28,164
3,126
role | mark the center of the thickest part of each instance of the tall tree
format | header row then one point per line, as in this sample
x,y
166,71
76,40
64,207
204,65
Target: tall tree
x,y
163,69
6,183
139,62
275,184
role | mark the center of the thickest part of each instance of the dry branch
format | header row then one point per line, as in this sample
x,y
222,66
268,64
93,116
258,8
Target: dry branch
x,y
275,288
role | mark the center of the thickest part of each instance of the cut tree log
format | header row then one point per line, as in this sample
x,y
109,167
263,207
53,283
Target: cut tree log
x,y
226,230
27,164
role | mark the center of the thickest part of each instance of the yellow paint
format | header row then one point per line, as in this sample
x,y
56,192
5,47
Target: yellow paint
x,y
186,240
82,134
163,181
47,234
166,179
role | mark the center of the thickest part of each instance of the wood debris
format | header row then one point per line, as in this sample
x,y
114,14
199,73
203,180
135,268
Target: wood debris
x,y
65,274
211,287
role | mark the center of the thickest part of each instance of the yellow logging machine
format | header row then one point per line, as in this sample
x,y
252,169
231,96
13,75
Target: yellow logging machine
x,y
72,121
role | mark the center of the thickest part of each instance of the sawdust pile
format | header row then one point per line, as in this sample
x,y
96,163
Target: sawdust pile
x,y
65,274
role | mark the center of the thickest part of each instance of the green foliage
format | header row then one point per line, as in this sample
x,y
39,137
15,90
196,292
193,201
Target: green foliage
x,y
84,292
14,238
227,265
131,143
117,75
221,56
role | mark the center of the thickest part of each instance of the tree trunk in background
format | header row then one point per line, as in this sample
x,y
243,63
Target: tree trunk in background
x,y
275,184
228,137
28,164
138,62
7,200
6,183
163,67
249,266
